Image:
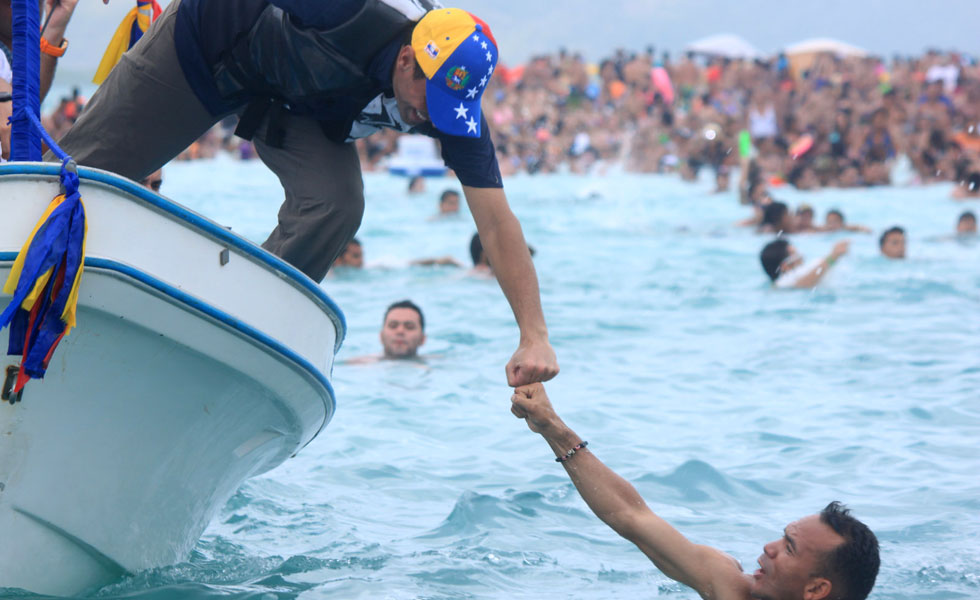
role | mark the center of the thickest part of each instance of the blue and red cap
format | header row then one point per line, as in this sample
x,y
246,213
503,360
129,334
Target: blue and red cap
x,y
458,54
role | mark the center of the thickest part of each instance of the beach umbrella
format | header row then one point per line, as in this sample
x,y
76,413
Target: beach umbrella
x,y
727,45
824,46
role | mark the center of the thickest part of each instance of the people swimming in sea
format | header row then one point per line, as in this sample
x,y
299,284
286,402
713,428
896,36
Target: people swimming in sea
x,y
826,556
352,257
804,219
402,334
787,268
892,243
481,262
834,221
448,203
776,218
966,225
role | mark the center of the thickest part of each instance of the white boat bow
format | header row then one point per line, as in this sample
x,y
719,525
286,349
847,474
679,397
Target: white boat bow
x,y
199,360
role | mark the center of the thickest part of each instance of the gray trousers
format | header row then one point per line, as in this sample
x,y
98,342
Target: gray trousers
x,y
145,113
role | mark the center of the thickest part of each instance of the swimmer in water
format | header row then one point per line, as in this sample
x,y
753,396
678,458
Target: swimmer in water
x,y
892,243
402,333
787,268
825,556
966,225
835,222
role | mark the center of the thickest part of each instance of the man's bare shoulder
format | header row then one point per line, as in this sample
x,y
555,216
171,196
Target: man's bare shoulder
x,y
727,580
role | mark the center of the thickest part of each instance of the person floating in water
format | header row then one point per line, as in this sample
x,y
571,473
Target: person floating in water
x,y
307,79
892,243
835,222
481,261
402,333
448,205
826,556
352,256
786,268
966,225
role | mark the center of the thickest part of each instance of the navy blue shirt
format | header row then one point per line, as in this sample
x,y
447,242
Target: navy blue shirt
x,y
206,30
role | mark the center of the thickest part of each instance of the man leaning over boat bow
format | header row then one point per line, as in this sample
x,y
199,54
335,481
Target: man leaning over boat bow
x,y
307,78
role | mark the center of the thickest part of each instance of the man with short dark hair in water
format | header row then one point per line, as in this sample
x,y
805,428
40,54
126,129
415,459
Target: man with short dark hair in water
x,y
826,556
804,219
352,256
403,330
776,218
481,262
892,243
966,225
786,268
402,333
449,203
835,222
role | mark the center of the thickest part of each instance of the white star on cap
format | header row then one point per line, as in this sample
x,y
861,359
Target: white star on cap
x,y
471,126
471,93
483,81
476,38
489,56
490,72
461,111
483,45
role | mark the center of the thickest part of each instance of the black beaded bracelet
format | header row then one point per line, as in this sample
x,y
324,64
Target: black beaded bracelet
x,y
6,97
571,453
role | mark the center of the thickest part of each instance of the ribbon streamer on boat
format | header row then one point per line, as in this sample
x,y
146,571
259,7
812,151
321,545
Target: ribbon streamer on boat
x,y
44,282
45,277
132,28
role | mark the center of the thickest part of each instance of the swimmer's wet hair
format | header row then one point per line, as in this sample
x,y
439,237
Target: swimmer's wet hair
x,y
852,566
476,249
773,213
772,256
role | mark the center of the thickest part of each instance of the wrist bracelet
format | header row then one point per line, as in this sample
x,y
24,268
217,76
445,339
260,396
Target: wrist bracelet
x,y
6,97
830,260
55,51
571,453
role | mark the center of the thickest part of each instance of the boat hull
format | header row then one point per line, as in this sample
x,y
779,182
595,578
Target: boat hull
x,y
166,397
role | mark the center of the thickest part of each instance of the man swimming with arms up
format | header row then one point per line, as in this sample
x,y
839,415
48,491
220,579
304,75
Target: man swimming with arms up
x,y
827,556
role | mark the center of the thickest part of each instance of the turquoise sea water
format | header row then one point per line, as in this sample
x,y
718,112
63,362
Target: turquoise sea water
x,y
732,407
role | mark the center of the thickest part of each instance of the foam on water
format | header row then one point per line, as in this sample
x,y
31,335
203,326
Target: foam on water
x,y
733,408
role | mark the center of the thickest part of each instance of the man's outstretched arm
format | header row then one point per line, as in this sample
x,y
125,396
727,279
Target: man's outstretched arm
x,y
503,241
614,500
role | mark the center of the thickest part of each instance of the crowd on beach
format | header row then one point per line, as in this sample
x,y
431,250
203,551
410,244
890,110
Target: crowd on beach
x,y
806,123
828,121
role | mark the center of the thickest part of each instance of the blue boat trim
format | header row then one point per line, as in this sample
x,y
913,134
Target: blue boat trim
x,y
192,218
216,314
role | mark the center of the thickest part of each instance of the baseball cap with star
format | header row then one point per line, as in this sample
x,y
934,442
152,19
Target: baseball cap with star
x,y
458,54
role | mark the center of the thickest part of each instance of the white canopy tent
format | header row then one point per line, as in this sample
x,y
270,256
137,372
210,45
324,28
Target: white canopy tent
x,y
727,45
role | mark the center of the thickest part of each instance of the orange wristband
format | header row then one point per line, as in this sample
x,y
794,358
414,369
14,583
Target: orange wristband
x,y
55,51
